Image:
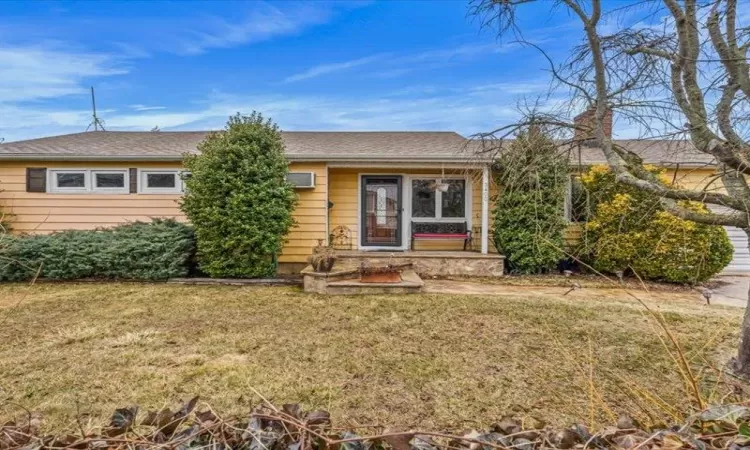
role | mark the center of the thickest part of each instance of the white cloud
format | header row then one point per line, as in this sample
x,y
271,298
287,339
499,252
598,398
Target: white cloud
x,y
462,51
32,76
393,66
188,31
139,107
445,110
36,72
324,69
466,109
264,22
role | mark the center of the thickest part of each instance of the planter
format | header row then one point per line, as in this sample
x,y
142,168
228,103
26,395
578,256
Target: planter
x,y
382,277
389,273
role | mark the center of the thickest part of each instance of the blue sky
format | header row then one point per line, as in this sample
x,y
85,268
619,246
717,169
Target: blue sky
x,y
387,65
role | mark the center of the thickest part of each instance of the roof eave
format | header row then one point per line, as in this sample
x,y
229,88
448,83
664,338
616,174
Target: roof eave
x,y
58,157
387,158
665,164
298,158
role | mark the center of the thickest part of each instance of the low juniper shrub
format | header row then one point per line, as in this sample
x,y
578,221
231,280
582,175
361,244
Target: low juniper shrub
x,y
157,250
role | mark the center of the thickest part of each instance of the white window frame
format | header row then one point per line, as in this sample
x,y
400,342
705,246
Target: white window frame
x,y
68,190
89,186
125,189
439,200
143,181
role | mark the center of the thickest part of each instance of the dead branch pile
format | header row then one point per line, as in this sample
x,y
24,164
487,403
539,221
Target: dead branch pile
x,y
291,428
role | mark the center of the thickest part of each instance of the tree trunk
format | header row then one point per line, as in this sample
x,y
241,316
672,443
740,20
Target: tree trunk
x,y
742,363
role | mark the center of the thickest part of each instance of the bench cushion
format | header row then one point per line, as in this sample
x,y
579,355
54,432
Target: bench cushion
x,y
441,235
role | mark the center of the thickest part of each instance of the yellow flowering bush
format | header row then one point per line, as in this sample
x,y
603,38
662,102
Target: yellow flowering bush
x,y
630,231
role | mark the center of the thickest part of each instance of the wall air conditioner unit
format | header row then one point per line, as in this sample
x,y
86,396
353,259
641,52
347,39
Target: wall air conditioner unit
x,y
301,180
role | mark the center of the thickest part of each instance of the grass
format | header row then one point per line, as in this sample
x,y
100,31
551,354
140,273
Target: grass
x,y
428,361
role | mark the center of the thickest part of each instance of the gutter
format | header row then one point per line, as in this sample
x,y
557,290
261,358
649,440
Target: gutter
x,y
345,159
293,158
38,157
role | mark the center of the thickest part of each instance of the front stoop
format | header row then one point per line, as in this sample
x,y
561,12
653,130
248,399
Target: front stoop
x,y
434,264
344,280
410,284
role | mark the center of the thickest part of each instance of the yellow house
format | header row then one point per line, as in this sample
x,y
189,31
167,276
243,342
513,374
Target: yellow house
x,y
389,192
368,191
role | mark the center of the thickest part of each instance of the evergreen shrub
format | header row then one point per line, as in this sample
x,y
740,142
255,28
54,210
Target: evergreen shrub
x,y
158,250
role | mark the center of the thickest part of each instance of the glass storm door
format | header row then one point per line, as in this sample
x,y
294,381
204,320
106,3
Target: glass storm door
x,y
381,211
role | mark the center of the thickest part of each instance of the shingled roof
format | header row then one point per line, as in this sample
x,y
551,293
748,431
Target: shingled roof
x,y
300,145
393,146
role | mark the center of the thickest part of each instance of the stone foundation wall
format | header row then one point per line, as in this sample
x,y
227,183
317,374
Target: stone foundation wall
x,y
464,267
474,265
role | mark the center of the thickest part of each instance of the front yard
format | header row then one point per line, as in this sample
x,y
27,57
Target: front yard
x,y
429,361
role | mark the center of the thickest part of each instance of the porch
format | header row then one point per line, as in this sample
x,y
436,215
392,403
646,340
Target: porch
x,y
431,210
432,263
346,274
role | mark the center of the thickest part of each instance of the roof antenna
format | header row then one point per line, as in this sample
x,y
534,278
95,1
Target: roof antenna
x,y
95,121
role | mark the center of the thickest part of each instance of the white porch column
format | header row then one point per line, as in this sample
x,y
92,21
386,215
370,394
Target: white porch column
x,y
485,208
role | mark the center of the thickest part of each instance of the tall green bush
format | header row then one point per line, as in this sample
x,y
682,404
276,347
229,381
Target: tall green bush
x,y
529,225
238,198
630,231
139,251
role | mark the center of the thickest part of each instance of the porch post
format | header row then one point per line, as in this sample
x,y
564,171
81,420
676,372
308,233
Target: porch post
x,y
485,208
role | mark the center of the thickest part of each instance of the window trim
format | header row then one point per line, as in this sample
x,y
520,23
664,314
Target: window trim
x,y
143,183
439,200
53,186
88,180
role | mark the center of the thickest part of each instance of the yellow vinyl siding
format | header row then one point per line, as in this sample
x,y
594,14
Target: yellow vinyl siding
x,y
696,179
344,194
310,215
38,212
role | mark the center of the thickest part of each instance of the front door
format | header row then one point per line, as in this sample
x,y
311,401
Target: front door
x,y
381,211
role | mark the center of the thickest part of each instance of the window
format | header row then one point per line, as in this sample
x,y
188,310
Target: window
x,y
380,206
423,197
110,180
69,180
89,181
577,201
161,182
432,199
454,199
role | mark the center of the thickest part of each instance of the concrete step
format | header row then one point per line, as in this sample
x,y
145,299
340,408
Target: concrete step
x,y
410,284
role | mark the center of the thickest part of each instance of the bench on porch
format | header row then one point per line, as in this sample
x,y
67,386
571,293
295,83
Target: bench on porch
x,y
440,230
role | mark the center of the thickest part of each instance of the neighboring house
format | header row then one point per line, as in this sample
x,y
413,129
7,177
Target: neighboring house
x,y
370,190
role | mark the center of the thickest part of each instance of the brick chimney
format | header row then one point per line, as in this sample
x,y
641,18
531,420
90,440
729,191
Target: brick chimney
x,y
586,120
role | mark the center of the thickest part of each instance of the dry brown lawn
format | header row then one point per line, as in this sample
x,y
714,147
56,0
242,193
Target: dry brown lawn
x,y
430,361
